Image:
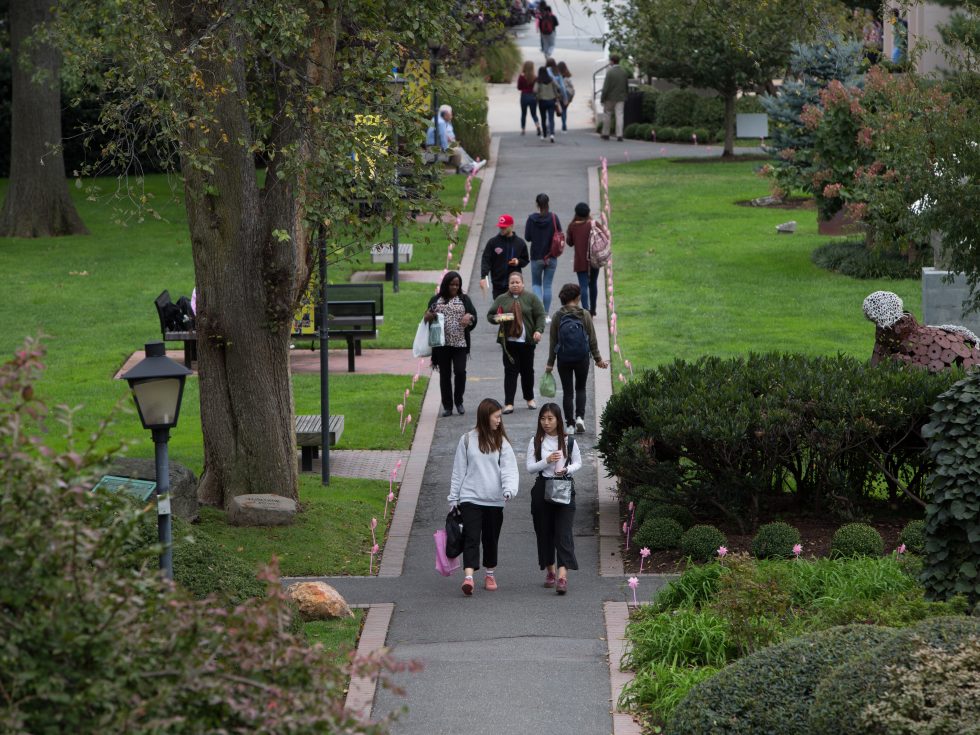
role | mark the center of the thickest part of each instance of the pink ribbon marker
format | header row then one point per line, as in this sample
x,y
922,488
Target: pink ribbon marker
x,y
633,584
407,422
644,553
401,410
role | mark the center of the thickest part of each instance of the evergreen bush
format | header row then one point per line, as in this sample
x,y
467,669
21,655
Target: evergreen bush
x,y
914,537
658,533
685,133
701,542
856,539
630,130
675,107
775,541
469,101
748,104
709,112
672,510
856,259
666,134
649,105
643,131
703,135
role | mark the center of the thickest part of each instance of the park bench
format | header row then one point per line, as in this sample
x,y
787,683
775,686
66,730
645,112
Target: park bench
x,y
309,436
354,311
188,337
384,252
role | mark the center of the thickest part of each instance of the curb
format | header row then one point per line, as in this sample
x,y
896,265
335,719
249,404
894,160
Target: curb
x,y
617,615
361,691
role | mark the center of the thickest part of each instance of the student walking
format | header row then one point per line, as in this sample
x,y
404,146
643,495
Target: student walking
x,y
578,238
529,102
484,479
459,318
572,341
539,229
569,93
553,453
546,91
505,253
520,315
547,23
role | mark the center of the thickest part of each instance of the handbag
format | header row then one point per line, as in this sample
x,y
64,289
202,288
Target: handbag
x,y
437,331
557,240
559,490
454,533
444,565
420,346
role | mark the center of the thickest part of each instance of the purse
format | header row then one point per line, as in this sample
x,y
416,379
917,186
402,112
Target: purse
x,y
557,240
454,533
559,490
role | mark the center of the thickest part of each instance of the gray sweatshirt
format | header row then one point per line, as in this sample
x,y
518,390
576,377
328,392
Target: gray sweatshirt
x,y
482,479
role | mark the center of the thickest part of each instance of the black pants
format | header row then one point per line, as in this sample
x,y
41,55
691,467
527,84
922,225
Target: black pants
x,y
451,362
521,362
580,372
553,528
498,289
481,523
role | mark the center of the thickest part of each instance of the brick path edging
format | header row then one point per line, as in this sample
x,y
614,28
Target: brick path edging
x,y
361,691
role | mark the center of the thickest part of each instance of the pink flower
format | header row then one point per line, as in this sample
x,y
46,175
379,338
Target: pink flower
x,y
797,550
644,552
374,523
622,378
399,408
722,551
375,549
901,549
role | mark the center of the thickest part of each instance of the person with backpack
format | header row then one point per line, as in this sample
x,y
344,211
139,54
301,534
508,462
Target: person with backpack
x,y
552,453
547,23
484,478
539,231
566,76
572,342
589,239
546,91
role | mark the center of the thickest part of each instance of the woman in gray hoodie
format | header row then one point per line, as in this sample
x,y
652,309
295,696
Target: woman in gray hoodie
x,y
484,479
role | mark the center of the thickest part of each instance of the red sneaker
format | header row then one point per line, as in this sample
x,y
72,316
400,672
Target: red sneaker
x,y
490,583
468,586
549,580
562,586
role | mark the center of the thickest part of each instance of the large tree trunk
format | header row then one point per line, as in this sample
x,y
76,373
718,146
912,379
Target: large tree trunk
x,y
729,151
38,203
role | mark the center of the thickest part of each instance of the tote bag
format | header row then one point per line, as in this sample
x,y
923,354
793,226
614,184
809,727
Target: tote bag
x,y
444,565
420,347
437,331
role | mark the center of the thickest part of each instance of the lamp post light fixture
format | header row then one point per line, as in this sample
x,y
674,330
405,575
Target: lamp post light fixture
x,y
157,383
395,86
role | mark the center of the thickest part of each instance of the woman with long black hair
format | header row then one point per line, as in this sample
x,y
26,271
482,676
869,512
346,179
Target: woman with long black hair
x,y
459,318
520,316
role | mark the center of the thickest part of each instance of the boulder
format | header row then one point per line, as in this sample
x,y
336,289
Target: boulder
x,y
183,483
261,509
787,227
319,601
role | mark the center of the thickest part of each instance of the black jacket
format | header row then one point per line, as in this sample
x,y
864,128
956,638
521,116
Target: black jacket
x,y
538,231
498,251
470,309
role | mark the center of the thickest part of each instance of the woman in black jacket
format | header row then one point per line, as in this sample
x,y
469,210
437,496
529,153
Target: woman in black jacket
x,y
459,318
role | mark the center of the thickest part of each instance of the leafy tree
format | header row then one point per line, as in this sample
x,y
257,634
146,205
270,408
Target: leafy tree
x,y
725,46
303,86
38,203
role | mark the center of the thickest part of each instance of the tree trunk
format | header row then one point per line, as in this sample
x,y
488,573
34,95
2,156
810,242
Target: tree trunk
x,y
38,203
729,151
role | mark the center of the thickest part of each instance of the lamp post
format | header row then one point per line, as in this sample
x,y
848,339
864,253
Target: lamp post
x,y
157,383
434,48
321,320
395,85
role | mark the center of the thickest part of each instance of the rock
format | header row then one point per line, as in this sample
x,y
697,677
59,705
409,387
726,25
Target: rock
x,y
183,483
261,510
319,601
766,201
787,227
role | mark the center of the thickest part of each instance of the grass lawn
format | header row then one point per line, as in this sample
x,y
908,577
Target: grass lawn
x,y
454,188
430,244
339,636
696,274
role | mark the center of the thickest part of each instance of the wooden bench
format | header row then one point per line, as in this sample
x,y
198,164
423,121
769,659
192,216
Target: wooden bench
x,y
189,338
309,437
384,252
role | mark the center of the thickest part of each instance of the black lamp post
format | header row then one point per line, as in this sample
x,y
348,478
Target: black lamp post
x,y
157,383
434,48
395,85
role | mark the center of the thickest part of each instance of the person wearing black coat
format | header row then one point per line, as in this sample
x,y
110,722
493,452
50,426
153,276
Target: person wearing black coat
x,y
504,254
459,318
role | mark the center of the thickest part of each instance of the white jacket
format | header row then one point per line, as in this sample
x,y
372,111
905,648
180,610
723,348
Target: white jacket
x,y
483,479
548,445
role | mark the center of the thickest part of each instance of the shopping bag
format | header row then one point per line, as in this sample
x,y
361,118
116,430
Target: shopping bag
x,y
437,331
444,565
547,386
454,533
420,347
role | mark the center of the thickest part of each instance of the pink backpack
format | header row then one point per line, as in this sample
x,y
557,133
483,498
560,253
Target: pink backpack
x,y
600,245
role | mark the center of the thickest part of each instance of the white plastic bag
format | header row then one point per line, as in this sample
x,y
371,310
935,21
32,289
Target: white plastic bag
x,y
437,331
420,347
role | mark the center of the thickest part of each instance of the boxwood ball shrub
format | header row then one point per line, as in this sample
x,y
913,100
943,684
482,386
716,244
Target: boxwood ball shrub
x,y
658,533
630,130
847,691
775,541
703,135
666,134
671,510
856,539
701,542
675,107
684,134
914,536
770,691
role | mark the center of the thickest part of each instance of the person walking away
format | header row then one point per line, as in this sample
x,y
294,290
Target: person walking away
x,y
559,81
572,341
540,227
484,479
520,316
529,102
505,253
459,318
566,76
553,453
546,91
615,88
547,23
578,237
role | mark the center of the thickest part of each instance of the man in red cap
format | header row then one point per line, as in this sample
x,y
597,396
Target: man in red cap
x,y
504,254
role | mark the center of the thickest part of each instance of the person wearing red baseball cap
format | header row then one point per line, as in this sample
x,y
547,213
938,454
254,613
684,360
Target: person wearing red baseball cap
x,y
504,254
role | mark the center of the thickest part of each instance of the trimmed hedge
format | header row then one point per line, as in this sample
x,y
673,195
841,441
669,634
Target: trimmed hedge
x,y
914,537
676,107
658,533
855,259
701,542
671,510
856,539
469,100
775,541
770,691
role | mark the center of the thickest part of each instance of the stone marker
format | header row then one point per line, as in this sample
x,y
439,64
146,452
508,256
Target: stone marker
x,y
787,227
183,483
318,601
261,510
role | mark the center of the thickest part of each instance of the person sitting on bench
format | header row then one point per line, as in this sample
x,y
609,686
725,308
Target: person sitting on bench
x,y
441,134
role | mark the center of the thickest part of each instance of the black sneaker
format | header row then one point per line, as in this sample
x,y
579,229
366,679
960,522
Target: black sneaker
x,y
459,409
447,412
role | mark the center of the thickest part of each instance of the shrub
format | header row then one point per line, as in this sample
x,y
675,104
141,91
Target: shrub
x,y
671,510
775,541
675,107
749,103
703,135
649,105
667,135
684,134
756,601
658,533
914,537
847,691
770,690
709,112
683,637
953,512
630,130
658,687
701,542
643,131
856,259
499,62
856,539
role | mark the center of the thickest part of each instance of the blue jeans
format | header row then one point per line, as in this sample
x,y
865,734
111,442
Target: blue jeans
x,y
564,117
588,281
541,277
547,109
529,103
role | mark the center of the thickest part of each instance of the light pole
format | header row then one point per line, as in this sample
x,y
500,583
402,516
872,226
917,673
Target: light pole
x,y
395,85
157,384
321,320
434,48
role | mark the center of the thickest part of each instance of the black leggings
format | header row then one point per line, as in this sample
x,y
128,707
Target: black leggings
x,y
553,528
579,372
451,362
481,523
522,354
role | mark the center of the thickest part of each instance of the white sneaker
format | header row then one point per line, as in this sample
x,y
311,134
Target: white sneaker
x,y
579,425
547,320
478,165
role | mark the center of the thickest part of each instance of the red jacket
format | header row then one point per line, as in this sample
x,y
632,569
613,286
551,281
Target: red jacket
x,y
577,237
526,85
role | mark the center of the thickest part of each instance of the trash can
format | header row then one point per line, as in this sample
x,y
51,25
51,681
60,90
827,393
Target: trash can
x,y
633,110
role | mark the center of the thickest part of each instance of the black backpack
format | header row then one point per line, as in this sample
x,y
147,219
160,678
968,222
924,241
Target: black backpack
x,y
573,342
186,314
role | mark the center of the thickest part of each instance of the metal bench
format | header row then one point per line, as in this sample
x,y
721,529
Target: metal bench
x,y
309,435
189,338
384,252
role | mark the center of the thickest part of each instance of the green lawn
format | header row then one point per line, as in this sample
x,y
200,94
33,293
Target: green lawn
x,y
339,636
696,274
